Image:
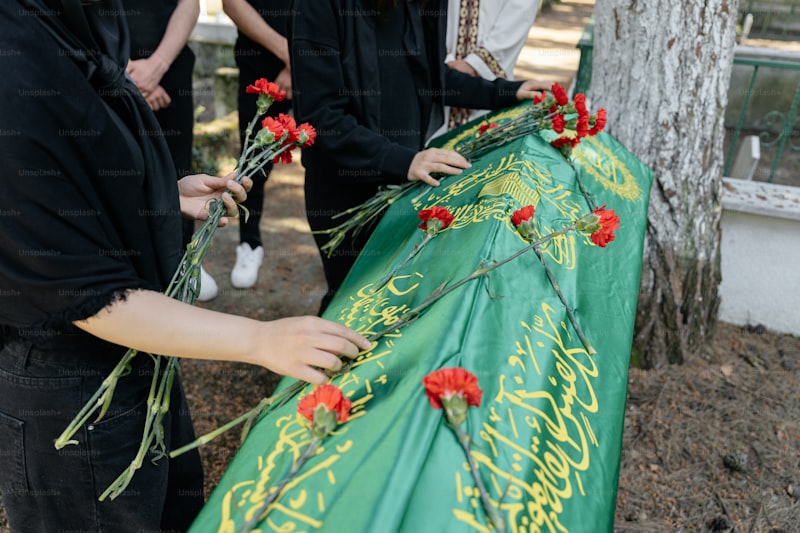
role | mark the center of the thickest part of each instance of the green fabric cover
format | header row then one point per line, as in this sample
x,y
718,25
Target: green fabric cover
x,y
547,436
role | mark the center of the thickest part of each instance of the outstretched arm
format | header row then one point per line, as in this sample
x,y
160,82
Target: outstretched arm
x,y
297,347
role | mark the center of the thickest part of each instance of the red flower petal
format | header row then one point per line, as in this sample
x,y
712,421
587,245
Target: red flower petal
x,y
435,213
558,123
274,126
447,382
486,127
331,397
599,122
262,86
609,223
580,103
522,214
290,126
560,94
307,134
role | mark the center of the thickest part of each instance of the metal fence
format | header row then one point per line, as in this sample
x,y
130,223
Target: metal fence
x,y
763,100
773,117
772,19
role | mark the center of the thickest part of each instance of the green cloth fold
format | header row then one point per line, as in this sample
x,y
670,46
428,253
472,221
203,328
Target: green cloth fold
x,y
547,435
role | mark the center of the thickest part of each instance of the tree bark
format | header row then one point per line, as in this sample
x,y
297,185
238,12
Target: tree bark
x,y
662,69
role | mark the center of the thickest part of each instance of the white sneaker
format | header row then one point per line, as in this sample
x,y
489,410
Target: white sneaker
x,y
208,287
245,271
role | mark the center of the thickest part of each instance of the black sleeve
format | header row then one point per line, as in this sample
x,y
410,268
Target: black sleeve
x,y
70,189
322,98
463,90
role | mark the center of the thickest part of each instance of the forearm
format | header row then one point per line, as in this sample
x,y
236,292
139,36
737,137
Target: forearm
x,y
249,22
179,28
151,322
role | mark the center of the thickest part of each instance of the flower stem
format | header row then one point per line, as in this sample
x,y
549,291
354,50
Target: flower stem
x,y
256,517
405,261
491,512
101,399
247,417
589,348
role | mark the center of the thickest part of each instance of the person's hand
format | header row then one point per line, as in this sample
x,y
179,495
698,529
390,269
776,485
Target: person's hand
x,y
198,190
147,73
158,99
531,89
436,160
284,82
462,66
302,347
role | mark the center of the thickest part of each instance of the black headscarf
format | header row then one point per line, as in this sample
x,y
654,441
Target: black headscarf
x,y
88,197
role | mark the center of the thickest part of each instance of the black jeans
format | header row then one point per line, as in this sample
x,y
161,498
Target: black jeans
x,y
43,384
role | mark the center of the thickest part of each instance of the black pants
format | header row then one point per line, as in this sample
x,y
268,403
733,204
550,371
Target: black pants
x,y
43,384
264,66
324,199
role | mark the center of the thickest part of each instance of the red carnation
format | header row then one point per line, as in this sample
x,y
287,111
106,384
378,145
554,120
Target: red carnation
x,y
560,94
539,99
580,103
435,219
563,141
330,398
608,222
523,214
291,127
486,127
523,221
284,157
582,128
558,123
275,127
599,122
446,383
262,86
307,134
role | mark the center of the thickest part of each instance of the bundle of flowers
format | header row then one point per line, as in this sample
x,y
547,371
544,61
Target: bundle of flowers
x,y
548,115
273,143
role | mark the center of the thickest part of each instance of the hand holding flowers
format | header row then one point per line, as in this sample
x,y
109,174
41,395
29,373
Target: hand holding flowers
x,y
185,283
547,112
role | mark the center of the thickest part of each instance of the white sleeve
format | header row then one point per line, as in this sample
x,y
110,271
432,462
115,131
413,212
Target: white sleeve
x,y
503,30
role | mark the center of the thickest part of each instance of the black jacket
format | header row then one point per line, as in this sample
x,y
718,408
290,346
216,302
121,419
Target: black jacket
x,y
336,88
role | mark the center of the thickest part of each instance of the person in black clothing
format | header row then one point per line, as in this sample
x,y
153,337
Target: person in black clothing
x,y
161,65
91,210
370,76
261,51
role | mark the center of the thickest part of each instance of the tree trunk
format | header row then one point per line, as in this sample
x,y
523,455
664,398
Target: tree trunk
x,y
661,69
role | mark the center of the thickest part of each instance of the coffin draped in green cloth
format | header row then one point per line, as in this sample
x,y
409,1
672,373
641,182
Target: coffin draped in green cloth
x,y
547,435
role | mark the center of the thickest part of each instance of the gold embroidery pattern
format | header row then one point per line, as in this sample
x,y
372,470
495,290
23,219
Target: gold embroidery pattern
x,y
601,163
536,476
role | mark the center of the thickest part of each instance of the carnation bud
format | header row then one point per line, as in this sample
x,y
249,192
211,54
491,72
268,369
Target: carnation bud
x,y
590,223
324,421
263,102
264,137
